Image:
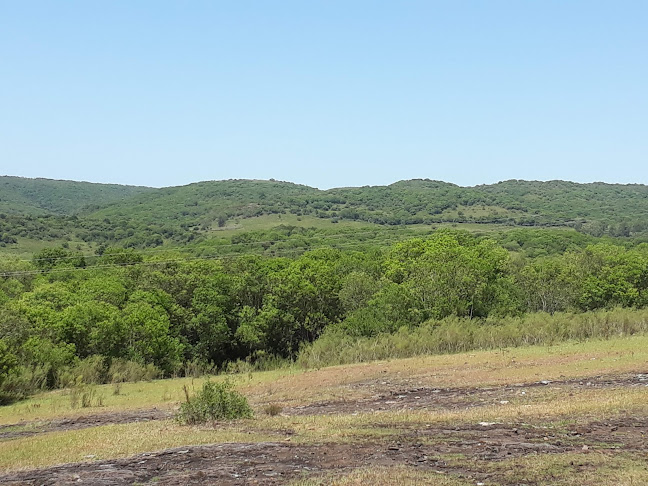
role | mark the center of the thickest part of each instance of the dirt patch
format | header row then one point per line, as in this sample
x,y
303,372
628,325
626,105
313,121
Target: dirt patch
x,y
388,396
453,398
628,433
497,441
433,448
26,429
265,463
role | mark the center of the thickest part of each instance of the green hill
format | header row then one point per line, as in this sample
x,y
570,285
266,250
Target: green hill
x,y
596,208
98,214
46,196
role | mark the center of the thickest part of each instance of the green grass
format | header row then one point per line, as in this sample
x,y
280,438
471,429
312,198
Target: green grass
x,y
570,469
113,441
548,407
384,476
26,247
163,394
293,386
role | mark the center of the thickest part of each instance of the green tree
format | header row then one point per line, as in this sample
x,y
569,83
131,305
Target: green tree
x,y
8,362
451,273
149,337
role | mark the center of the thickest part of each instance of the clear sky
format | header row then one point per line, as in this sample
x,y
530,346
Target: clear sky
x,y
324,92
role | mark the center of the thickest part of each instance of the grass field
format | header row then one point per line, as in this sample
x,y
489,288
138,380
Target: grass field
x,y
571,414
26,248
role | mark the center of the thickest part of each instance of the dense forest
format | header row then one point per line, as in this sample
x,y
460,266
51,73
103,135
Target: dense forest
x,y
60,310
204,298
136,217
46,196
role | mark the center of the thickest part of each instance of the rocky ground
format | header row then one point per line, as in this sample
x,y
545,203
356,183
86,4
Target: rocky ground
x,y
425,447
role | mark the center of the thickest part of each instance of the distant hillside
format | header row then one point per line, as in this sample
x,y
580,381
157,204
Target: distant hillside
x,y
43,196
138,217
203,203
596,208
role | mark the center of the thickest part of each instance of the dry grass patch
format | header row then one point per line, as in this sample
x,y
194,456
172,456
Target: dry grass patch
x,y
112,441
384,476
600,469
585,405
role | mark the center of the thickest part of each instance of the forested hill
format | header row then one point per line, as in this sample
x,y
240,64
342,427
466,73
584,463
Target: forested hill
x,y
596,208
214,272
52,212
46,196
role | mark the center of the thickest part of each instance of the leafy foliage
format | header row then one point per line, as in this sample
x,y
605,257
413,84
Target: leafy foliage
x,y
134,217
121,314
215,401
41,196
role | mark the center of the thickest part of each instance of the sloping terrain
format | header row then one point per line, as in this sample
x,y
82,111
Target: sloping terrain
x,y
406,202
90,215
46,196
574,414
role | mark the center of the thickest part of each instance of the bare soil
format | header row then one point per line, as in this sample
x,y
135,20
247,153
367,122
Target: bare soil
x,y
274,463
26,429
426,447
390,396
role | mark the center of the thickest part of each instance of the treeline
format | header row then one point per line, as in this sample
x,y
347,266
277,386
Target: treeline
x,y
61,311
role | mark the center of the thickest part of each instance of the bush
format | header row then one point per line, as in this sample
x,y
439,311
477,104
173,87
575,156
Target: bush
x,y
257,361
273,409
216,401
91,370
122,370
197,368
239,367
23,382
85,396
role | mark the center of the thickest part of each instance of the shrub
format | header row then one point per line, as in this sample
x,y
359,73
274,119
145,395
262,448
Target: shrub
x,y
257,361
239,367
122,370
272,409
85,396
216,401
197,368
23,382
91,370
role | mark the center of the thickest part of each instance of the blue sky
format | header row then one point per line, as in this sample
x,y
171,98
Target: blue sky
x,y
326,93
